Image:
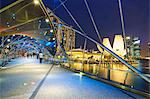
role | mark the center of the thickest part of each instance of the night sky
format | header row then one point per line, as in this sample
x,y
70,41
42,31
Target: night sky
x,y
106,16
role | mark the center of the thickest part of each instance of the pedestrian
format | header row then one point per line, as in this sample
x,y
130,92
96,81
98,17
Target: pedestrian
x,y
37,55
41,56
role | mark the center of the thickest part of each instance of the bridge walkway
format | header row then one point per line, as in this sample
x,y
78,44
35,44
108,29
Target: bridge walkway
x,y
32,80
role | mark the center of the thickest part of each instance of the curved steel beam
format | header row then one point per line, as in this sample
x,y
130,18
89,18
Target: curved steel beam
x,y
8,7
30,42
17,25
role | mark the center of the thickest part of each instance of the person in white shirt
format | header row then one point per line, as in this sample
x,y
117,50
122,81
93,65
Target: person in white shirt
x,y
41,56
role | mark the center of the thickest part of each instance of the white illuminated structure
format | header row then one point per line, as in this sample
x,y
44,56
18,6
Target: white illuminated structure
x,y
118,45
106,42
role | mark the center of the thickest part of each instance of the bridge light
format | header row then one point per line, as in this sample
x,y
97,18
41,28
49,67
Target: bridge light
x,y
53,38
8,40
51,30
7,46
40,21
47,20
128,37
36,2
14,16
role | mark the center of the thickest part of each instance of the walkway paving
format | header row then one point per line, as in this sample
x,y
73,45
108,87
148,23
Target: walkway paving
x,y
63,84
20,81
41,81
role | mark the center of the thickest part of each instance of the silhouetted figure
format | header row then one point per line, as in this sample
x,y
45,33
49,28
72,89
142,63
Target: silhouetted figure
x,y
27,55
37,55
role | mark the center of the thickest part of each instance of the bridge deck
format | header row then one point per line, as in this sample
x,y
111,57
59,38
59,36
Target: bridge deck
x,y
40,81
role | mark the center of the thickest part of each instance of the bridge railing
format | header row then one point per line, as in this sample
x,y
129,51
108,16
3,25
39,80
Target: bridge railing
x,y
5,58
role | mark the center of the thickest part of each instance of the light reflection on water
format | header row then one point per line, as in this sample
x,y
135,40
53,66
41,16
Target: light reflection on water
x,y
117,72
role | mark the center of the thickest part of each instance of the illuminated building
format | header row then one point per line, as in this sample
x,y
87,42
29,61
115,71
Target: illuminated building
x,y
118,45
68,39
133,47
78,54
136,47
65,35
106,43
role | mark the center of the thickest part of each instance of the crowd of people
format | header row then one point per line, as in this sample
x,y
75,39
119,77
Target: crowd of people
x,y
39,56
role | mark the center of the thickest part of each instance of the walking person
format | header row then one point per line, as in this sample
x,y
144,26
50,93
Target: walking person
x,y
41,56
37,55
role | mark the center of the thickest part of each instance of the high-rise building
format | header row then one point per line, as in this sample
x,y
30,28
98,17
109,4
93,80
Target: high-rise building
x,y
133,47
68,39
65,35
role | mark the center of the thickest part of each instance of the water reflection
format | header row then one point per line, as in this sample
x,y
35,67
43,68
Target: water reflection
x,y
116,72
